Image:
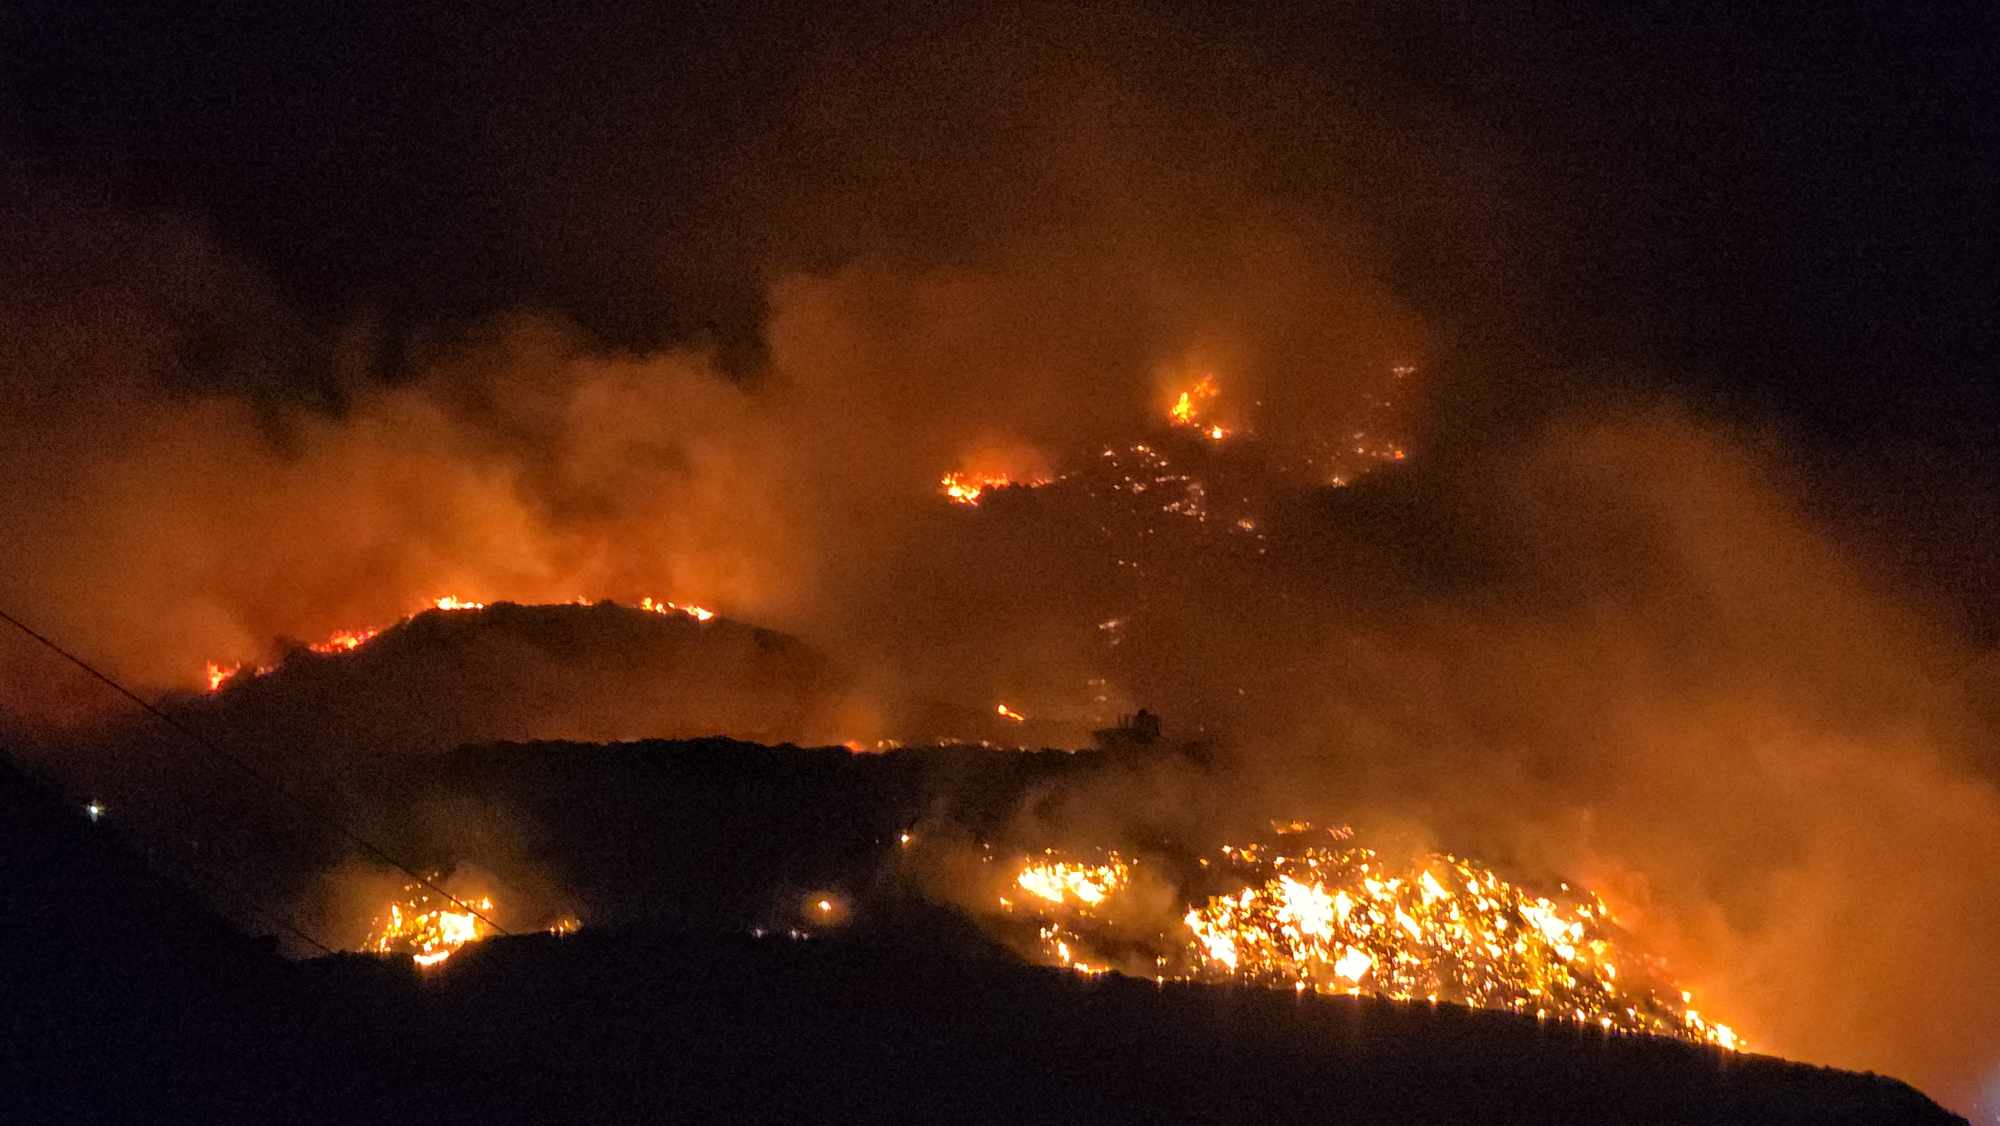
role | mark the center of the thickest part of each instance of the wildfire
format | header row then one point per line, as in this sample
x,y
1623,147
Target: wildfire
x,y
966,488
698,613
1060,881
346,640
217,674
428,933
1338,918
1192,404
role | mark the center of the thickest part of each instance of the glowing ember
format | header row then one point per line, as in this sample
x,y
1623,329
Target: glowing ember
x,y
1337,918
426,927
1007,713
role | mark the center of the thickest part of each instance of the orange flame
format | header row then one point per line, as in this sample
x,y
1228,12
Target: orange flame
x,y
1331,917
428,936
216,674
1188,408
219,673
962,487
345,640
698,613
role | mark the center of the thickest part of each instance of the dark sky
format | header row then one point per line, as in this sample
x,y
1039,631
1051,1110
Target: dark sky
x,y
1788,217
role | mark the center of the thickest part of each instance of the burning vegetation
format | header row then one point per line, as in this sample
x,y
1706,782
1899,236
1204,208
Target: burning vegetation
x,y
1190,409
425,926
216,674
698,613
966,488
1313,911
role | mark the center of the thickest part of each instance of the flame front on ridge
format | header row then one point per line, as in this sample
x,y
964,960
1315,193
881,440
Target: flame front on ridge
x,y
1337,918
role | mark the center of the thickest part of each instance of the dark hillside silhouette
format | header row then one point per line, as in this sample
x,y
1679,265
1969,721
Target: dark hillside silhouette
x,y
128,999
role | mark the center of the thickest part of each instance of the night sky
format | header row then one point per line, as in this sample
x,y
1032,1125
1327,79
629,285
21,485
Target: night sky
x,y
1787,219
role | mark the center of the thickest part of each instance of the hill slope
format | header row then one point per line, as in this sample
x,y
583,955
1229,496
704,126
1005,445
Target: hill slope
x,y
127,999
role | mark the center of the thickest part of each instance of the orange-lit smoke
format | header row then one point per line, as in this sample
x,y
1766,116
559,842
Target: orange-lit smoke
x,y
1615,644
163,523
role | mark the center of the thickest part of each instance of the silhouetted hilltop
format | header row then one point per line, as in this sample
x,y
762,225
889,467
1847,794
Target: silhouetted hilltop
x,y
508,671
125,995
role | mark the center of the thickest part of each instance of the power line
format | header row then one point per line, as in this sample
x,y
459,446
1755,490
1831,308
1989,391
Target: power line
x,y
185,872
254,910
217,750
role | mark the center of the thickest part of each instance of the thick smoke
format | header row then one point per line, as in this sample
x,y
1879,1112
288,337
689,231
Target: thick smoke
x,y
162,524
1601,641
1617,651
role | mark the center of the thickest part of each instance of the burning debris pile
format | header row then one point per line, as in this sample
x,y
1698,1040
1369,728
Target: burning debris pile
x,y
1313,911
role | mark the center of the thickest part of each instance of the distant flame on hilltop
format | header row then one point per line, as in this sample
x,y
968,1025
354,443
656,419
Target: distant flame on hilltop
x,y
216,673
1189,409
698,613
966,488
426,930
344,640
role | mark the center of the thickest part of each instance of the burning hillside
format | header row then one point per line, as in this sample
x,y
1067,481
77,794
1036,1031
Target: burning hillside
x,y
133,993
1494,433
1309,911
347,640
512,671
427,928
1303,910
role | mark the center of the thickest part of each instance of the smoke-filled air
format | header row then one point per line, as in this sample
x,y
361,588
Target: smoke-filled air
x,y
1237,402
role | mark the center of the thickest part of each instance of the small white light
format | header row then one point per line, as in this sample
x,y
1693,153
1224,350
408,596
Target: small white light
x,y
94,811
